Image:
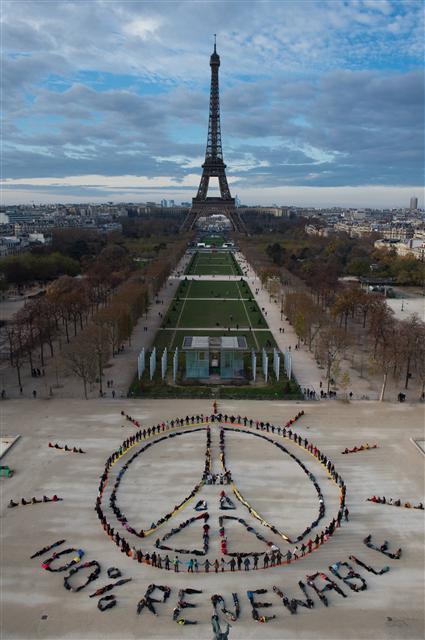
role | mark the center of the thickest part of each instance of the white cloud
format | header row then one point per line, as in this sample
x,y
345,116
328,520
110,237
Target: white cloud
x,y
142,27
107,182
121,87
382,6
187,163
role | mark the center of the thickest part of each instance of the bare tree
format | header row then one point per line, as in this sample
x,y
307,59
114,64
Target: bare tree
x,y
346,303
81,360
384,355
331,344
305,315
380,318
18,350
98,336
420,363
412,335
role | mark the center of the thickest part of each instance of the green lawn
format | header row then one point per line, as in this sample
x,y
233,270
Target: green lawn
x,y
218,289
213,311
213,308
221,263
211,239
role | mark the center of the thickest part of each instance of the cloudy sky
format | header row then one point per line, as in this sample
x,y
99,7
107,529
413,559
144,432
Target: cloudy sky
x,y
321,101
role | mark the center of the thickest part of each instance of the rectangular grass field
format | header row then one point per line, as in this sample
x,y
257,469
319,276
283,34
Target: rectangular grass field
x,y
208,308
214,308
221,289
219,263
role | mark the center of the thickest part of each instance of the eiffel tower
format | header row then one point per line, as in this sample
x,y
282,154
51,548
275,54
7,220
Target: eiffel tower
x,y
214,166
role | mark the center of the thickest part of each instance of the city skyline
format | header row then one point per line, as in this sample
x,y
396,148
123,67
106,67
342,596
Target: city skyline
x,y
111,102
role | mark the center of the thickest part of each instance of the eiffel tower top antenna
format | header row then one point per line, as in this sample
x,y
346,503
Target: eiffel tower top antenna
x,y
215,43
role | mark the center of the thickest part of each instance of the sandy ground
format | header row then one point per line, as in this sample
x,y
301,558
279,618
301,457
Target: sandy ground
x,y
391,608
403,308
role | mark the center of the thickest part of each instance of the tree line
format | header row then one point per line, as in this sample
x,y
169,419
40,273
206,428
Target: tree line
x,y
330,317
287,245
88,318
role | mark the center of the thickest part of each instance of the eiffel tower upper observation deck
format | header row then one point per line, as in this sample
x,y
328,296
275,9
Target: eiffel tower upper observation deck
x,y
214,164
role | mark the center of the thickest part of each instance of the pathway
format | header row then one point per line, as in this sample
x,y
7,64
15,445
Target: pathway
x,y
304,366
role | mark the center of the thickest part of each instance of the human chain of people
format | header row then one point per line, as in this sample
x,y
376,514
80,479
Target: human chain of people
x,y
244,425
315,587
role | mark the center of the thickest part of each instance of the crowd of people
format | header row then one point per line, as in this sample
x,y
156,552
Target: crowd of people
x,y
33,500
363,447
47,564
205,536
90,578
293,604
329,585
149,602
66,448
395,503
241,563
256,605
183,604
250,529
127,444
49,547
200,418
74,566
218,478
306,445
368,567
350,575
108,587
225,502
383,548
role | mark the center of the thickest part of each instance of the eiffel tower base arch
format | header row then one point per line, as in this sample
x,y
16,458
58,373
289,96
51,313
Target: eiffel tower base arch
x,y
213,206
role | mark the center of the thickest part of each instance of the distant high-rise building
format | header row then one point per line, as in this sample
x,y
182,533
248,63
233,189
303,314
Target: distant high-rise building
x,y
237,201
171,203
164,203
413,204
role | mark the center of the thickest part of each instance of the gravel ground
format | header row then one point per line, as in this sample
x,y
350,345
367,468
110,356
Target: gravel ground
x,y
392,606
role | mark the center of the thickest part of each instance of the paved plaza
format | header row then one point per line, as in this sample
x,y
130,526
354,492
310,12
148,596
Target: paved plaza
x,y
36,604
